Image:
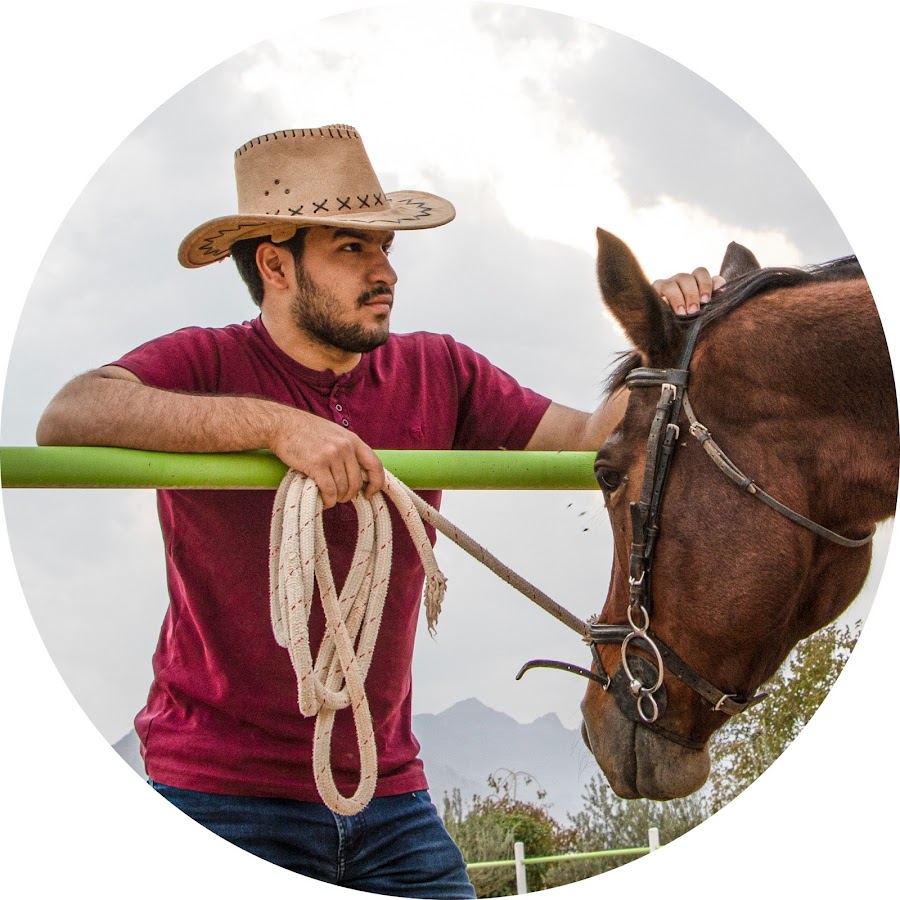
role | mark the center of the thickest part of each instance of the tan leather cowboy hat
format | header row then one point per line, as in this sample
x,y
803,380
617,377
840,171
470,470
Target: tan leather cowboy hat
x,y
308,176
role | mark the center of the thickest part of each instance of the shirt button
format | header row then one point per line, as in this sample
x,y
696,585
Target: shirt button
x,y
338,407
344,422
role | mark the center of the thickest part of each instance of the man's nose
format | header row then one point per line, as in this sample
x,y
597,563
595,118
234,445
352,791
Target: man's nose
x,y
383,272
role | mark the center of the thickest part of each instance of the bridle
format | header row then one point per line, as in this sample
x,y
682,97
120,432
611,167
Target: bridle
x,y
638,684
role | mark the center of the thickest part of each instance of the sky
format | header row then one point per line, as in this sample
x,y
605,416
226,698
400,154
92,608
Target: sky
x,y
553,126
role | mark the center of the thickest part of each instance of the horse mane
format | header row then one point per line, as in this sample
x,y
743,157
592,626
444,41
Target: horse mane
x,y
624,362
736,292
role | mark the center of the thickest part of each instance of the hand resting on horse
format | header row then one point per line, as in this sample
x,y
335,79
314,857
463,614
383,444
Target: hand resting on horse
x,y
686,293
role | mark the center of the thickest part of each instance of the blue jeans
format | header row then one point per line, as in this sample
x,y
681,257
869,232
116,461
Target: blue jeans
x,y
396,845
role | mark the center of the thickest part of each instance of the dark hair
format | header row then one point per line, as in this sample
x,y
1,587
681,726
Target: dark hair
x,y
244,255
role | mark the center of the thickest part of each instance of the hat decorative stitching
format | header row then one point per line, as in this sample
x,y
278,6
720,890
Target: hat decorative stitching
x,y
321,170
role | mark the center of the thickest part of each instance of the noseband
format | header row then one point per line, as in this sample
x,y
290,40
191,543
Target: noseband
x,y
638,682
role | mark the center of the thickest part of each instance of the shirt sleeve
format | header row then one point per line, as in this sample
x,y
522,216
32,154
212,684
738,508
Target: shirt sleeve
x,y
185,360
495,411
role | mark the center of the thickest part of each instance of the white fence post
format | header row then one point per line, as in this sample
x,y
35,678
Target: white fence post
x,y
654,839
521,877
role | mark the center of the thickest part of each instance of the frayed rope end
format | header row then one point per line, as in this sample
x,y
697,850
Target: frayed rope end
x,y
435,588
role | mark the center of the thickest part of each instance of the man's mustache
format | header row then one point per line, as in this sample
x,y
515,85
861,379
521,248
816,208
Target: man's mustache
x,y
370,295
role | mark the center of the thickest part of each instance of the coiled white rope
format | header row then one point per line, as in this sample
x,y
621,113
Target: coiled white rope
x,y
298,556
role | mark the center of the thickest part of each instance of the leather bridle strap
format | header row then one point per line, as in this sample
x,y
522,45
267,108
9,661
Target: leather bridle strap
x,y
731,704
660,449
735,475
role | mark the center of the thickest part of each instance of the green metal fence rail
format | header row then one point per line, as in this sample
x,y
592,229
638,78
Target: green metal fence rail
x,y
109,467
529,860
521,860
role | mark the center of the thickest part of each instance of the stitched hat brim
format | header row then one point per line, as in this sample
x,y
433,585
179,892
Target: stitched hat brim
x,y
404,211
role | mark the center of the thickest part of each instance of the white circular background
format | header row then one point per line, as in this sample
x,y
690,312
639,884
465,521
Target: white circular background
x,y
81,78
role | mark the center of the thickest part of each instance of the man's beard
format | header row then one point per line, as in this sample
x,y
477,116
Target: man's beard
x,y
315,310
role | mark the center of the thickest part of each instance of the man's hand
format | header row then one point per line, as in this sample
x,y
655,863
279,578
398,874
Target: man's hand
x,y
339,462
686,293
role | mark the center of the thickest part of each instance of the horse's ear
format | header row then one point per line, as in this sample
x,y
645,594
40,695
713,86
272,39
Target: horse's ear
x,y
629,296
738,261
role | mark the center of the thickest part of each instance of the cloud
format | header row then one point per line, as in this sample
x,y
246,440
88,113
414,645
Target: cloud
x,y
546,119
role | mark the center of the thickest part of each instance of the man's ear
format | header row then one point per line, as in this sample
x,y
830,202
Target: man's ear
x,y
272,262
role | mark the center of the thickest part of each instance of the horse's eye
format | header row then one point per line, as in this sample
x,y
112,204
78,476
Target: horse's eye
x,y
608,479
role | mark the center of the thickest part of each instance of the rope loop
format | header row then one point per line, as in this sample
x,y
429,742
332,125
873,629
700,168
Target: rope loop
x,y
335,680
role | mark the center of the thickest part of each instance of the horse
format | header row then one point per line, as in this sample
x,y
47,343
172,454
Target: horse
x,y
780,389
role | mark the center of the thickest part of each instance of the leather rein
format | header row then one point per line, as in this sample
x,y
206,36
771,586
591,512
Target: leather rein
x,y
638,683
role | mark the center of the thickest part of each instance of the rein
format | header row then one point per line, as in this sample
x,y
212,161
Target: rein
x,y
733,473
638,684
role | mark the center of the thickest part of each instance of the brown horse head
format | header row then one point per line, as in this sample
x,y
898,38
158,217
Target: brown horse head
x,y
792,378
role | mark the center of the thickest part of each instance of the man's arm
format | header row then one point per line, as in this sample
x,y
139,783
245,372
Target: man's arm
x,y
111,407
563,428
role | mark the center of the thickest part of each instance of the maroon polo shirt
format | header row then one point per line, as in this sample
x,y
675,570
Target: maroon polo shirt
x,y
222,713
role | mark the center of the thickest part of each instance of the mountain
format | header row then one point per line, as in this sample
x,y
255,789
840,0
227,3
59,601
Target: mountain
x,y
467,743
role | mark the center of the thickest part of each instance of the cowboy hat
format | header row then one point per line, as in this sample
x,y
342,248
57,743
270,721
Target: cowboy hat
x,y
308,176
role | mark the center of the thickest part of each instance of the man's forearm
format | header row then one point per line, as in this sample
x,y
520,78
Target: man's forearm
x,y
563,428
603,421
111,408
94,410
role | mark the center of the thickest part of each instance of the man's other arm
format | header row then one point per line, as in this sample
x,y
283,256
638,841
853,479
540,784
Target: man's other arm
x,y
563,428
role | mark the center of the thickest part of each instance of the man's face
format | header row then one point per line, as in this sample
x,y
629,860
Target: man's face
x,y
345,288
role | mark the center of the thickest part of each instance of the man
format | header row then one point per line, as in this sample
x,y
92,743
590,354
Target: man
x,y
319,380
